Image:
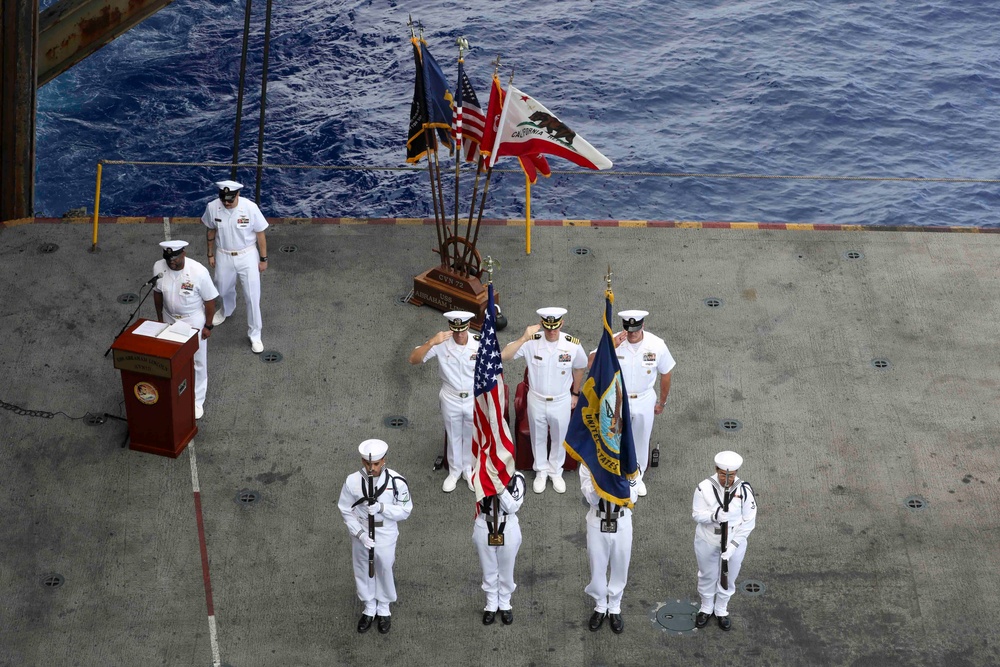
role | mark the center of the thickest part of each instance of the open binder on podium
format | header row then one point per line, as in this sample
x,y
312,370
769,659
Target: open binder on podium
x,y
157,370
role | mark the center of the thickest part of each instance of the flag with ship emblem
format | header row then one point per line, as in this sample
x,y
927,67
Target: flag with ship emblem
x,y
526,127
531,163
430,108
600,428
468,117
492,445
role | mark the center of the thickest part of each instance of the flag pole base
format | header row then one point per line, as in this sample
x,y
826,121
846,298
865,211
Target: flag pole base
x,y
445,290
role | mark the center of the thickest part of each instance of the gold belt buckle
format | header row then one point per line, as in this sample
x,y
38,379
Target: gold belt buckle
x,y
495,540
463,394
549,398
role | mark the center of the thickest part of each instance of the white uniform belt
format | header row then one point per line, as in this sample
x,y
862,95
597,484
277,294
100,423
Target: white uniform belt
x,y
236,253
180,316
641,394
454,392
548,398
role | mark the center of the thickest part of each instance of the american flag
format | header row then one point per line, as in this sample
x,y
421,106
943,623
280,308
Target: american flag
x,y
492,445
468,117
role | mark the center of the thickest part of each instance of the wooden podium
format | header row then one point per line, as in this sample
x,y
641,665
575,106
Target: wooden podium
x,y
158,383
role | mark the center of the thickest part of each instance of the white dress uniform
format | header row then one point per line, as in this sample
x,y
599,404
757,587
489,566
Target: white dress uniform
x,y
609,553
706,511
457,366
391,490
184,295
550,378
498,562
642,364
236,256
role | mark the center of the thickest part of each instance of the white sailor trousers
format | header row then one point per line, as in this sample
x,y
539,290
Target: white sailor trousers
x,y
608,551
196,320
641,410
375,592
548,419
457,415
497,563
245,267
715,598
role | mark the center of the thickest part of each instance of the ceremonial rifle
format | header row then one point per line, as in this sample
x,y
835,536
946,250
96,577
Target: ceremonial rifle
x,y
371,524
724,577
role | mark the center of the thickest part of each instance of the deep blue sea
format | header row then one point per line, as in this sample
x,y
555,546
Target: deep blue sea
x,y
791,87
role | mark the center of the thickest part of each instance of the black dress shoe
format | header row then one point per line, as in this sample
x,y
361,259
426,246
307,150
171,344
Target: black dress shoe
x,y
489,617
701,620
507,616
617,623
364,623
725,623
384,623
596,621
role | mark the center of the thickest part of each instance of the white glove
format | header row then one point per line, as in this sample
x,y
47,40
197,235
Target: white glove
x,y
724,516
366,539
728,552
374,509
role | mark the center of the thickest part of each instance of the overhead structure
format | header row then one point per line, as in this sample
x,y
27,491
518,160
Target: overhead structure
x,y
34,49
70,30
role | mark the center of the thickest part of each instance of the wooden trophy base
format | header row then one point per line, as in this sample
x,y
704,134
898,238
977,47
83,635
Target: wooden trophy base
x,y
447,290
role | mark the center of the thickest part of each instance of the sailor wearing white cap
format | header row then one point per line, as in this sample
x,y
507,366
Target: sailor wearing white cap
x,y
456,353
556,365
644,358
185,292
380,492
714,523
237,247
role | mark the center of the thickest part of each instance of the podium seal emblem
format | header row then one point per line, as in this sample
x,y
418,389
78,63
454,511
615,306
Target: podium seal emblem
x,y
146,393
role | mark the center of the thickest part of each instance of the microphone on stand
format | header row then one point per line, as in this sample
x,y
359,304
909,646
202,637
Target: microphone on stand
x,y
152,281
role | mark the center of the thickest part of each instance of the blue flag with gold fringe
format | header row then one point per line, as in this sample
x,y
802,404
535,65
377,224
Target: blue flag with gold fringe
x,y
600,428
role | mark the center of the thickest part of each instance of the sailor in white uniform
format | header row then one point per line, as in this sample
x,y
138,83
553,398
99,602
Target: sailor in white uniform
x,y
709,513
237,247
389,503
644,358
609,551
185,292
556,366
456,353
497,536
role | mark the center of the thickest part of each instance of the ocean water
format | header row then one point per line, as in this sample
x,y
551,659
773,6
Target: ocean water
x,y
769,87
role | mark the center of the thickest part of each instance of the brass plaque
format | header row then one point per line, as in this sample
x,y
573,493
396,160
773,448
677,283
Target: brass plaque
x,y
495,539
142,363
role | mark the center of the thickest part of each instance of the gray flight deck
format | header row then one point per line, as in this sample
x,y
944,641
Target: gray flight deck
x,y
845,570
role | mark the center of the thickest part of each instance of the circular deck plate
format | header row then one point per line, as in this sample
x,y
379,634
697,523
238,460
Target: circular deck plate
x,y
675,617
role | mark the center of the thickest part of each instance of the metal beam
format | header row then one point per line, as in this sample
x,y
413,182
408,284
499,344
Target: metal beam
x,y
70,30
18,25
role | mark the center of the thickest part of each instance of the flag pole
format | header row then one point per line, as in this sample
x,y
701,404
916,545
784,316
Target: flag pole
x,y
475,186
430,138
462,43
527,215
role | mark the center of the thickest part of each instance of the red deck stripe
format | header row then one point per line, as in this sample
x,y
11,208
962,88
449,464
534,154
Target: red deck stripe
x,y
204,554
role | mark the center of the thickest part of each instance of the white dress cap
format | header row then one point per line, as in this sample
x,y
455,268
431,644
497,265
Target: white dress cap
x,y
728,461
636,315
458,320
173,246
232,186
373,450
551,313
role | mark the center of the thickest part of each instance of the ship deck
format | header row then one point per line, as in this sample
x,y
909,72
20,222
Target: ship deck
x,y
859,368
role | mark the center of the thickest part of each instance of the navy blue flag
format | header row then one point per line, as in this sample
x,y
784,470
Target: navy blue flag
x,y
430,92
600,429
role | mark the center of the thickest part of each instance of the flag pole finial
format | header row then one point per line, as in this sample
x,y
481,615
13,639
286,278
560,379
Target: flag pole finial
x,y
607,278
463,45
496,64
489,264
410,24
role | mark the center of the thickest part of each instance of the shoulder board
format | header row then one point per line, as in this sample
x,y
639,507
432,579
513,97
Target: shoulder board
x,y
537,335
573,339
477,336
